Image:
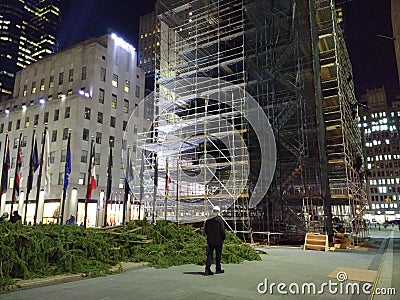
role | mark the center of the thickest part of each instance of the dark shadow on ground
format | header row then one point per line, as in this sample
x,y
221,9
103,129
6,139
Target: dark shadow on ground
x,y
194,273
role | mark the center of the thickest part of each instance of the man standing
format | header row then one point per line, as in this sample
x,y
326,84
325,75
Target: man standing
x,y
215,232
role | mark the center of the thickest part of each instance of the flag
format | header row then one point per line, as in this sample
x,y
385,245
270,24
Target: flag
x,y
128,176
67,170
129,173
33,163
46,163
92,179
168,179
18,172
6,167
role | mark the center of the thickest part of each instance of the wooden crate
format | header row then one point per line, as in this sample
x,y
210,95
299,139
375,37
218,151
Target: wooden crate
x,y
316,241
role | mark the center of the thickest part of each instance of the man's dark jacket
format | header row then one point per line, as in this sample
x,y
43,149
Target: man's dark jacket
x,y
215,231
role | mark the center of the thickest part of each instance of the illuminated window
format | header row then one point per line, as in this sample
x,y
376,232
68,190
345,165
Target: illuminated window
x,y
126,105
51,81
81,179
127,86
87,113
26,122
113,101
42,84
25,89
33,87
115,80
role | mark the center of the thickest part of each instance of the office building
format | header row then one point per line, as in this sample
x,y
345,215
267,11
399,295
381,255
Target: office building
x,y
380,123
27,33
149,47
90,90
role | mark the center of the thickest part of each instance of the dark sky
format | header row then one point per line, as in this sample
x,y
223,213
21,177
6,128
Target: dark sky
x,y
83,19
372,57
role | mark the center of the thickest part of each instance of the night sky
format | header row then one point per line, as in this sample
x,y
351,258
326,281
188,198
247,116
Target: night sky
x,y
372,56
84,19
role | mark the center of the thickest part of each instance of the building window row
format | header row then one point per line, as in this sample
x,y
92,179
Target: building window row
x,y
51,81
67,114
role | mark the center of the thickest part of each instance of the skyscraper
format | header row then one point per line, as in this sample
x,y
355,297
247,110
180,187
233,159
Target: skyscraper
x,y
395,9
27,33
149,47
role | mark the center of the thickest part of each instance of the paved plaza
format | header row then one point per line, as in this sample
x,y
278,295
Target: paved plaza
x,y
283,273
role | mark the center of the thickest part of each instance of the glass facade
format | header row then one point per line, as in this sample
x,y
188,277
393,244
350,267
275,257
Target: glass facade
x,y
28,33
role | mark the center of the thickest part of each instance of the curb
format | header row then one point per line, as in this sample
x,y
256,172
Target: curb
x,y
64,278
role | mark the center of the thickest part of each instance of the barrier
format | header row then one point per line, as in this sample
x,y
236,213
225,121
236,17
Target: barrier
x,y
316,241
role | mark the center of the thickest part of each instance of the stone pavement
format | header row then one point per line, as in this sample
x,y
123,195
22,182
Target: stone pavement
x,y
248,280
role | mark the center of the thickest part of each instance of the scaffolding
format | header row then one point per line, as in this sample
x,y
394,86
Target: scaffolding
x,y
343,137
201,150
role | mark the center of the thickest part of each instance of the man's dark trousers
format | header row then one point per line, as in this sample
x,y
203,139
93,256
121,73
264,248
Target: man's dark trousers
x,y
218,253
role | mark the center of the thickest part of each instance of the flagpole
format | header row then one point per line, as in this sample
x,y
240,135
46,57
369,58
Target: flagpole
x,y
67,171
88,191
30,176
141,184
5,168
155,187
39,179
109,182
127,172
166,188
16,174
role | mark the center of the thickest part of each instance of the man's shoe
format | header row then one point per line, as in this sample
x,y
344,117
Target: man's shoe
x,y
208,272
219,271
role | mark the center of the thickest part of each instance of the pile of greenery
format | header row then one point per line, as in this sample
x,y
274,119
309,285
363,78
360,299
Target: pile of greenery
x,y
45,250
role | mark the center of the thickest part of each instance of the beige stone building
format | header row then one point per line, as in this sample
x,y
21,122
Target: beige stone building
x,y
91,90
